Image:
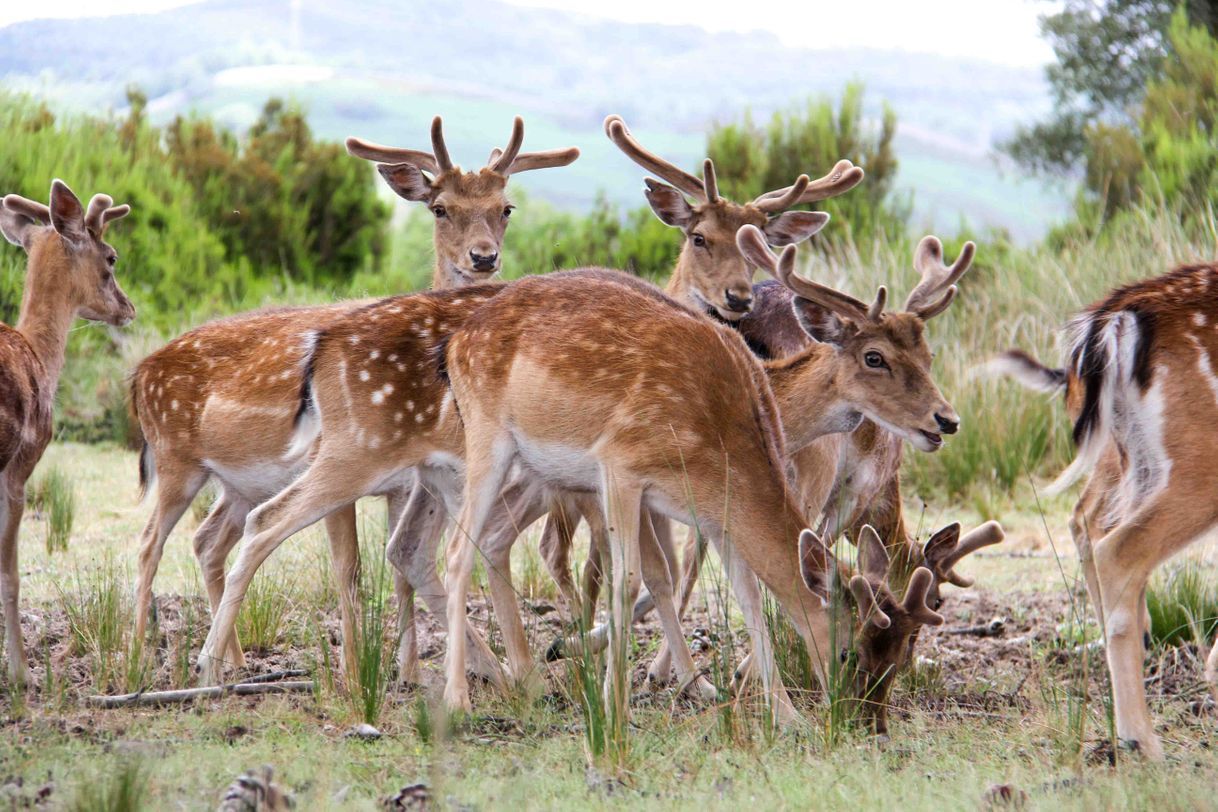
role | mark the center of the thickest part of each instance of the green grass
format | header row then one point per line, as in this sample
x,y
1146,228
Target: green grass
x,y
945,752
53,494
1183,604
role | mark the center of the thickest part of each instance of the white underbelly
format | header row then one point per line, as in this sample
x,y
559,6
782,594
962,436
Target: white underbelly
x,y
559,465
260,481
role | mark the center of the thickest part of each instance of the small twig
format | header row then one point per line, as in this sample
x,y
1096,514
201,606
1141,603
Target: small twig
x,y
215,692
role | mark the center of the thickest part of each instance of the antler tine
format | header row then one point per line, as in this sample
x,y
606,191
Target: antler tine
x,y
710,183
547,159
869,608
842,178
914,602
986,535
29,208
391,155
938,280
504,162
95,212
789,198
843,304
877,307
438,147
615,128
115,213
752,244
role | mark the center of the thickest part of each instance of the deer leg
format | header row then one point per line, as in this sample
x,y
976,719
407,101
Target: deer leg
x,y
623,502
213,541
486,470
11,509
516,508
748,595
594,567
412,551
327,485
344,555
658,577
396,504
1124,560
557,538
176,488
691,565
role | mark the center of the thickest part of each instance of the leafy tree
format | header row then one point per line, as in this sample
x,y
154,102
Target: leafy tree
x,y
281,200
1106,51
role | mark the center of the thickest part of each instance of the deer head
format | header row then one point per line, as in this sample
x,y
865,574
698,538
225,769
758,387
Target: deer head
x,y
882,368
471,209
68,253
711,273
886,627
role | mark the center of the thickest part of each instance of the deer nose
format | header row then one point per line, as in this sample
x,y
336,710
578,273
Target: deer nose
x,y
738,304
947,425
483,262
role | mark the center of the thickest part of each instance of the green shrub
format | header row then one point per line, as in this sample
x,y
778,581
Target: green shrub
x,y
1183,605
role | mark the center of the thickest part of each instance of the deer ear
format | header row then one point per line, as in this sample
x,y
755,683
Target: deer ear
x,y
669,204
819,323
17,228
941,545
67,215
873,556
794,227
814,564
406,180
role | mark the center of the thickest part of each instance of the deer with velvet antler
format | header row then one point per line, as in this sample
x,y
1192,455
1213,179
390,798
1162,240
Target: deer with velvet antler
x,y
853,477
221,402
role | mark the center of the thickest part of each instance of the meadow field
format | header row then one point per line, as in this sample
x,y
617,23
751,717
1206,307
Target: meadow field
x,y
1017,720
242,198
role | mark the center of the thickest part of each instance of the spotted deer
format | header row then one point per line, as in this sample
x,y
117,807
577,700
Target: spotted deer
x,y
1141,367
221,401
710,276
604,388
865,487
69,275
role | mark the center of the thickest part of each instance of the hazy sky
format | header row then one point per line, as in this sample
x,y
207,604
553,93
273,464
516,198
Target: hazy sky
x,y
996,30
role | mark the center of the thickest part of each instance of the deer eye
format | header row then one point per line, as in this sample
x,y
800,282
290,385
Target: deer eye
x,y
698,240
874,360
507,212
439,211
844,655
112,260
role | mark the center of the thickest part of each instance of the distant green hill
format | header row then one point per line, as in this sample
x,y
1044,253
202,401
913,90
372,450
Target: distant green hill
x,y
381,69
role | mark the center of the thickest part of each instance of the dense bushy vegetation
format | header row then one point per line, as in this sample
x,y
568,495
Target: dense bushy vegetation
x,y
227,222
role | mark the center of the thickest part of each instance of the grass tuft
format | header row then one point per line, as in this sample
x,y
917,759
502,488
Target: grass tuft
x,y
53,495
1183,605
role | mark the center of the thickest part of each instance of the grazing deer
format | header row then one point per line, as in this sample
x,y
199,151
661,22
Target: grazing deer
x,y
70,274
1141,372
862,484
711,276
221,401
601,387
867,486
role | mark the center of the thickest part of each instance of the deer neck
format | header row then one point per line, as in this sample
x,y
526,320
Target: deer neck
x,y
808,392
47,313
678,286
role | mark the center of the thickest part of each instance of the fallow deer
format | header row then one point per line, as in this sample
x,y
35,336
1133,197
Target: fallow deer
x,y
221,401
1141,372
603,388
70,274
865,486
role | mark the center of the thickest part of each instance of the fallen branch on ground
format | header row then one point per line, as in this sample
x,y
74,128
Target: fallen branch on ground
x,y
251,687
995,628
